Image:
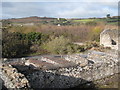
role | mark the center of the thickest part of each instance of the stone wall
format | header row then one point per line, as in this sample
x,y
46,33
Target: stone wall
x,y
100,65
68,77
12,78
91,66
109,38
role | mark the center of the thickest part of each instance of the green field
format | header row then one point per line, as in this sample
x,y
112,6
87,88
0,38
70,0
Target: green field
x,y
103,20
84,20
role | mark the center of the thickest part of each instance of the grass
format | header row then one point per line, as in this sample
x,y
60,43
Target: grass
x,y
84,20
113,23
98,21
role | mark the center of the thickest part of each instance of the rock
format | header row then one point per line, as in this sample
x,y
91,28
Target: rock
x,y
15,79
90,62
5,59
24,81
83,62
86,68
22,58
77,59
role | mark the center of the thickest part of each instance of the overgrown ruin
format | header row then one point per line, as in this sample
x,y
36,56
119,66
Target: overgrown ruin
x,y
65,71
109,38
58,72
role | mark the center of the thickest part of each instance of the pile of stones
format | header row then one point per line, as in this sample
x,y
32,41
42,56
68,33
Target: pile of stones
x,y
12,78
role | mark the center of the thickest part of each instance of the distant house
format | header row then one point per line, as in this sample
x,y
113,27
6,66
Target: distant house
x,y
58,25
58,18
109,38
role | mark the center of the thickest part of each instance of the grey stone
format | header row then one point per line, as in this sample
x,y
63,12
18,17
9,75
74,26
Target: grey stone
x,y
109,38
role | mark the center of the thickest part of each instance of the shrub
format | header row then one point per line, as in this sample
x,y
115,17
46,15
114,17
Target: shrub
x,y
21,36
95,34
61,45
57,45
33,36
12,46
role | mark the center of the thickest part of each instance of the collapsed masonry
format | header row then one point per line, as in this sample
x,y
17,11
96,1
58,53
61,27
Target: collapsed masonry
x,y
12,78
56,72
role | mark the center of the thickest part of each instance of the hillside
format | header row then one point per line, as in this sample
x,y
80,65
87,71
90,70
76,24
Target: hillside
x,y
62,21
33,19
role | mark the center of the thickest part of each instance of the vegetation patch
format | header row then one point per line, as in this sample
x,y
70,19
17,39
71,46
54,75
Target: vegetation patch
x,y
46,37
61,45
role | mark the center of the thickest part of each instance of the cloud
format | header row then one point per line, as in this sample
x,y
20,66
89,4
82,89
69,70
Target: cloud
x,y
4,4
61,1
25,9
90,10
59,9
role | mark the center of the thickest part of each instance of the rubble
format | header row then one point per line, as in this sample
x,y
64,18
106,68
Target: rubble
x,y
73,70
12,78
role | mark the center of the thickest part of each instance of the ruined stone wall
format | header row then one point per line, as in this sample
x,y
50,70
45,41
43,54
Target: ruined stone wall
x,y
109,38
95,65
68,77
104,65
12,78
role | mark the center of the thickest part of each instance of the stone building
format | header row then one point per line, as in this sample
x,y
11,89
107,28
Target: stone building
x,y
109,38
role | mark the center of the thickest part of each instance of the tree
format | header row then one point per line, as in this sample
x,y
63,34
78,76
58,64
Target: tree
x,y
108,15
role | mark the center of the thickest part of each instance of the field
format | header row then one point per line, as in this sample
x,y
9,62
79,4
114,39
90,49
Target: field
x,y
83,20
111,21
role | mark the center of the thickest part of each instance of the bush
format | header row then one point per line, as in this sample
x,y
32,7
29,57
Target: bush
x,y
57,45
61,45
12,46
33,36
21,36
95,34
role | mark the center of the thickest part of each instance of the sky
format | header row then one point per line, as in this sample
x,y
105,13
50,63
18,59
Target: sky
x,y
58,8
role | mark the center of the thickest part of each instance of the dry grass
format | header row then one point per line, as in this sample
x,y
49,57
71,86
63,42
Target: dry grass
x,y
79,33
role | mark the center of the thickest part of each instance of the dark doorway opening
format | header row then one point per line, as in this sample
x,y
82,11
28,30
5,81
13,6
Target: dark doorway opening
x,y
113,42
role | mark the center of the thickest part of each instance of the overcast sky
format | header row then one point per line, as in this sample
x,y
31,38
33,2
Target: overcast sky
x,y
59,8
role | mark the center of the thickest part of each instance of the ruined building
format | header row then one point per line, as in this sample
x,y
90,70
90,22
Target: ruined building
x,y
109,38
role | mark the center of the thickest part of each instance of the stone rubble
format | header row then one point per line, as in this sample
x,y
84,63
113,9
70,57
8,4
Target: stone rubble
x,y
77,59
12,78
90,66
